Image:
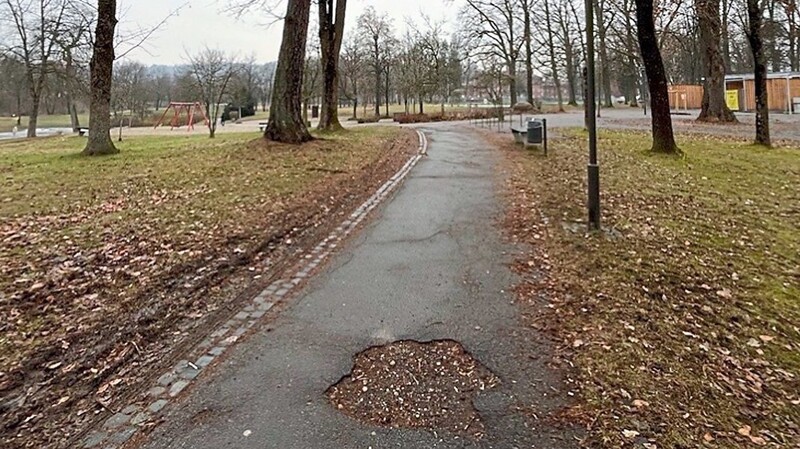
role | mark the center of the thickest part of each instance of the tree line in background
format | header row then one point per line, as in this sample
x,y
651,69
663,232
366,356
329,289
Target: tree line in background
x,y
501,51
50,47
504,50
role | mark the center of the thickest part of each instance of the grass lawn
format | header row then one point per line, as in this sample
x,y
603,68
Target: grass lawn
x,y
45,121
90,247
683,321
159,192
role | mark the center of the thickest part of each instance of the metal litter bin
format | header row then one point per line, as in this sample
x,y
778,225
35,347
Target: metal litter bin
x,y
535,131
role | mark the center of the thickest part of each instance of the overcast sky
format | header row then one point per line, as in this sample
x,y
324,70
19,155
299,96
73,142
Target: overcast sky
x,y
205,23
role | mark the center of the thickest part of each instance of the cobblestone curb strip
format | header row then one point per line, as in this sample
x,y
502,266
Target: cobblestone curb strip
x,y
121,426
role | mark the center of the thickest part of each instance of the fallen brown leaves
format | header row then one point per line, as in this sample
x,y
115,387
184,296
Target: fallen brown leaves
x,y
108,267
682,319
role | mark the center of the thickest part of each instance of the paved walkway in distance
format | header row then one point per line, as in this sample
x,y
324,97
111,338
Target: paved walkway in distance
x,y
431,265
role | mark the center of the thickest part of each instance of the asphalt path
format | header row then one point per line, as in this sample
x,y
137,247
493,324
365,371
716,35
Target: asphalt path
x,y
430,265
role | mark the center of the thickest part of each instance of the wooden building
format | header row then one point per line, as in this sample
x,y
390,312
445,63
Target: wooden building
x,y
783,92
685,96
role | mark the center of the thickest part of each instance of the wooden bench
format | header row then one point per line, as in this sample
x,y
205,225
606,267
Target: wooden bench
x,y
262,126
82,131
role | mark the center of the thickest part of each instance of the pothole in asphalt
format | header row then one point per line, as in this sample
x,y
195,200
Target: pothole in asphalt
x,y
408,384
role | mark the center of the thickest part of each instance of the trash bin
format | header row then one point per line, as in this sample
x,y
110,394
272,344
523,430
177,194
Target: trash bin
x,y
535,131
314,111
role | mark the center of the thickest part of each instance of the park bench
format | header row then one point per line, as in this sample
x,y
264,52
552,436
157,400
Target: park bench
x,y
520,134
262,126
83,130
535,132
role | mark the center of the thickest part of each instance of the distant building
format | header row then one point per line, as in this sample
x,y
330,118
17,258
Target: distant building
x,y
685,96
783,92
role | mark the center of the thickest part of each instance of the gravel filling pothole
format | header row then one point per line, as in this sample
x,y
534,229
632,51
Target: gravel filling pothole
x,y
408,384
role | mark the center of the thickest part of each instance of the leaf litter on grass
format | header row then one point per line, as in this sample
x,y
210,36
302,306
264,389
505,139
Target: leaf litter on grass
x,y
109,265
683,324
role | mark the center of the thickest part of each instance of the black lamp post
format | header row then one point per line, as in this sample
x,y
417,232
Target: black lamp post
x,y
591,124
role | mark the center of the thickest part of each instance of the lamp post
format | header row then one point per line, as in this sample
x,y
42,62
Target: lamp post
x,y
591,124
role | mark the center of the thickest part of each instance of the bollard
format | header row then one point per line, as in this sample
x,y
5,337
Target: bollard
x,y
544,131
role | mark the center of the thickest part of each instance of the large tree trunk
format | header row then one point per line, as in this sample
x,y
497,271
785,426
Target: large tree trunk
x,y
774,36
790,6
331,32
73,114
33,119
386,91
285,116
726,41
754,36
71,79
793,62
572,82
631,47
512,81
526,14
605,70
552,51
377,67
663,137
714,108
212,122
102,67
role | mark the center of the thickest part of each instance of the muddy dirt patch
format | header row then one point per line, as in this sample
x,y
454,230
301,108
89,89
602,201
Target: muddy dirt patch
x,y
408,384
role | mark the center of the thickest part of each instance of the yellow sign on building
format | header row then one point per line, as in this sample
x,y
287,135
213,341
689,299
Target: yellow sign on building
x,y
732,99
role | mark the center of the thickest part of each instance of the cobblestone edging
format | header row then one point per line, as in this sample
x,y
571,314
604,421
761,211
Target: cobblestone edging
x,y
121,426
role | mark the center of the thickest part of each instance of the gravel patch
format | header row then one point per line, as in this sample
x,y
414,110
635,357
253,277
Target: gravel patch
x,y
408,384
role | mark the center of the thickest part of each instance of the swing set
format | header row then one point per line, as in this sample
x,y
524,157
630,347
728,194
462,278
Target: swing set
x,y
179,108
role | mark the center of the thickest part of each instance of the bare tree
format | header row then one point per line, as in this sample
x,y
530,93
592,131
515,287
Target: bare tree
x,y
494,28
352,67
526,6
212,71
755,15
601,9
285,119
663,137
311,77
792,32
331,34
412,72
433,52
568,24
626,50
551,48
38,25
74,43
128,92
377,35
13,81
102,73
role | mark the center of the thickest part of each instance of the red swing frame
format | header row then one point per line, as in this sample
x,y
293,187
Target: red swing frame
x,y
178,108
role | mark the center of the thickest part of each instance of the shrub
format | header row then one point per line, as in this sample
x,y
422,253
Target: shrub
x,y
446,117
370,119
